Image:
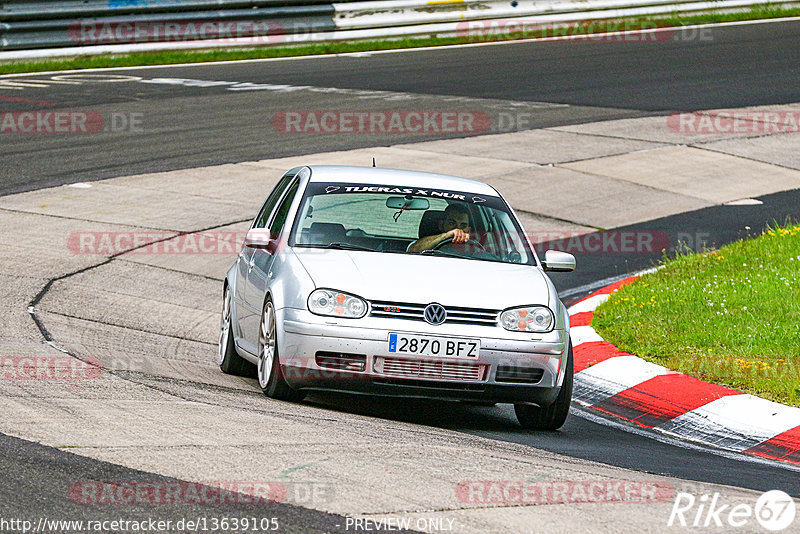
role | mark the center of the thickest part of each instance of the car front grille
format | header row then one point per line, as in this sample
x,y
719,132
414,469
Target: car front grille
x,y
429,369
435,384
518,375
416,312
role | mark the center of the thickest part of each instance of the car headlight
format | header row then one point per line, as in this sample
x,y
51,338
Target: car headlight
x,y
336,304
528,319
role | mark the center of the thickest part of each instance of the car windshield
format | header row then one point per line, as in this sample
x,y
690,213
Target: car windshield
x,y
390,218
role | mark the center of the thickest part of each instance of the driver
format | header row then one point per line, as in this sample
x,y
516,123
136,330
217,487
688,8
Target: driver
x,y
455,225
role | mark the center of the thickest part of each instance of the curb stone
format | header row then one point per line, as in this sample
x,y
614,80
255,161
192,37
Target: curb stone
x,y
651,396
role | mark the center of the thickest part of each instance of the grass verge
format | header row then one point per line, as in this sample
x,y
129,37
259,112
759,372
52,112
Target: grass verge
x,y
730,316
758,12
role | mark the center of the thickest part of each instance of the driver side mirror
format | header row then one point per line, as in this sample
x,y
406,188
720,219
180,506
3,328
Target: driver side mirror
x,y
557,261
259,238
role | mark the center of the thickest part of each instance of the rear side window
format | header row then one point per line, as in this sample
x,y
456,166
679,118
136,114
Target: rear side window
x,y
266,210
276,227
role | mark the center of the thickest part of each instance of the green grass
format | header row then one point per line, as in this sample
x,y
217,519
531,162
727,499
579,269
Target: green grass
x,y
273,51
730,316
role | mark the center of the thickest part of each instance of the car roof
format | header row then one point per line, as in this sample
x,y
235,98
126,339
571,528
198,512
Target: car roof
x,y
399,177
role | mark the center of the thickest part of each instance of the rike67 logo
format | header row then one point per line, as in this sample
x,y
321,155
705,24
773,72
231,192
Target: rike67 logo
x,y
774,510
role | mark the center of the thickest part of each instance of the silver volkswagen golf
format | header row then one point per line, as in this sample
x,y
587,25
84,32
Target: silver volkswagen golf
x,y
402,283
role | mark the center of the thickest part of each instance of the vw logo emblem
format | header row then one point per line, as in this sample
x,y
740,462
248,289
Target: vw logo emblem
x,y
435,313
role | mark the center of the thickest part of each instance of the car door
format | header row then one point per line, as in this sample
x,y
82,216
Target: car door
x,y
260,261
242,312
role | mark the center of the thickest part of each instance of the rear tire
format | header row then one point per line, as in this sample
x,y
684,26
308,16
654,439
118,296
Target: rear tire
x,y
270,376
228,359
550,417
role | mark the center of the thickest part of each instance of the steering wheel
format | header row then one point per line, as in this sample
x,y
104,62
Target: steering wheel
x,y
449,242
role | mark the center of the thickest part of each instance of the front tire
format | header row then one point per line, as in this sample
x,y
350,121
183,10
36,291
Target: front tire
x,y
270,376
228,359
549,417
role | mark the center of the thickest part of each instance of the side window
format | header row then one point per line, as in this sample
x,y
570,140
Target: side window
x,y
272,199
276,227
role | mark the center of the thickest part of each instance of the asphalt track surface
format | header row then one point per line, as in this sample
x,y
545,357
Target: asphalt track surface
x,y
185,127
580,81
37,479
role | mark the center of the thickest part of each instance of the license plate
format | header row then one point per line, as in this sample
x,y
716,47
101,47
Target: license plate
x,y
417,345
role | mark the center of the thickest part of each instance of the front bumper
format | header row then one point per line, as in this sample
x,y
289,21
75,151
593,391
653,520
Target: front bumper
x,y
304,335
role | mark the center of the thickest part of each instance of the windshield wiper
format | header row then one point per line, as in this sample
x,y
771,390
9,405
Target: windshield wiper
x,y
339,246
438,252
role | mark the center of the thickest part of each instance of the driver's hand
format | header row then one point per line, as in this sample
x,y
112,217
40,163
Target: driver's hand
x,y
458,235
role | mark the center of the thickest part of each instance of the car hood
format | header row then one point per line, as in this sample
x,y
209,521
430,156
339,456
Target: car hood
x,y
418,279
